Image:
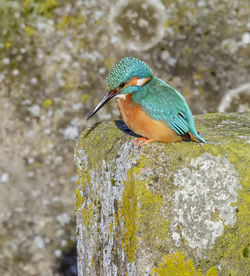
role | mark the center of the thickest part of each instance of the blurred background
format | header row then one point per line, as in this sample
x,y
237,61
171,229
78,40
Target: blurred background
x,y
54,58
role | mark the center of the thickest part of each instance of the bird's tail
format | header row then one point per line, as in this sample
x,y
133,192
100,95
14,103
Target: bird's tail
x,y
189,136
196,137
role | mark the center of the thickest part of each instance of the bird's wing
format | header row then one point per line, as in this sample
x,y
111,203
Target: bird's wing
x,y
164,103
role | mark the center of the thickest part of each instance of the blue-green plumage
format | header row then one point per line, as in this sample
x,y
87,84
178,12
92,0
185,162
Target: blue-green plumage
x,y
155,97
164,103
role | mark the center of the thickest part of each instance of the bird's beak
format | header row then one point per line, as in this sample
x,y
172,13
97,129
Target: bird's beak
x,y
107,96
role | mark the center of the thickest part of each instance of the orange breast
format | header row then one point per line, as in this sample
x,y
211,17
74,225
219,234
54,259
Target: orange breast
x,y
141,123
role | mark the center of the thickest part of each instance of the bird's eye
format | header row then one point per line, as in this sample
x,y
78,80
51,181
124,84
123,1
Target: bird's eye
x,y
122,85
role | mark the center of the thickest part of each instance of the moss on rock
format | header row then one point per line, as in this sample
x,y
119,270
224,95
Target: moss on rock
x,y
136,205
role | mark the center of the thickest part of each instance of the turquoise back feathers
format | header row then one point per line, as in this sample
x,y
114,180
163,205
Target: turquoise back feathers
x,y
163,103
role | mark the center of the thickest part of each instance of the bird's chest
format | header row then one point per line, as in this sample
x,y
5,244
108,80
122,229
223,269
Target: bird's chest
x,y
129,110
141,123
136,118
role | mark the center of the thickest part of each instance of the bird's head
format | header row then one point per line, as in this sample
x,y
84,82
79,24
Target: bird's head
x,y
129,75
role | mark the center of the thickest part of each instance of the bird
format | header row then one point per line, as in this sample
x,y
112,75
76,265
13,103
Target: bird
x,y
149,106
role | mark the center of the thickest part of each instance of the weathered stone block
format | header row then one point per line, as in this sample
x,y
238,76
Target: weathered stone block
x,y
164,208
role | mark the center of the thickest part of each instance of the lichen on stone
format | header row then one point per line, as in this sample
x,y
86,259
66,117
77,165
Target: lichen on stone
x,y
210,185
176,264
138,205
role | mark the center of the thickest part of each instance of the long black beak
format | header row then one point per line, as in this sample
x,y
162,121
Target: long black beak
x,y
107,96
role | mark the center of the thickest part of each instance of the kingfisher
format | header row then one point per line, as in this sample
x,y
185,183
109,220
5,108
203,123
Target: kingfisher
x,y
148,105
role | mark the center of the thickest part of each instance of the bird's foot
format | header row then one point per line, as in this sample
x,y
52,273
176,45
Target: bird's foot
x,y
146,140
138,140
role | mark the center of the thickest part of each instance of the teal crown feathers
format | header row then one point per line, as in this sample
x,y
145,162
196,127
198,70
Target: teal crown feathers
x,y
125,69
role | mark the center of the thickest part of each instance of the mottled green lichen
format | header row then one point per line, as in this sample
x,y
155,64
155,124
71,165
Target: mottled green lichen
x,y
229,245
79,199
142,218
139,207
177,264
129,219
87,214
99,137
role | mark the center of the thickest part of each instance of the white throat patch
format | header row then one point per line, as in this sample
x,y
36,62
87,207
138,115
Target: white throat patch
x,y
142,81
121,96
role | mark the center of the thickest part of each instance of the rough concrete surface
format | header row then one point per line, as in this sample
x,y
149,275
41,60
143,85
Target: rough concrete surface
x,y
144,210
